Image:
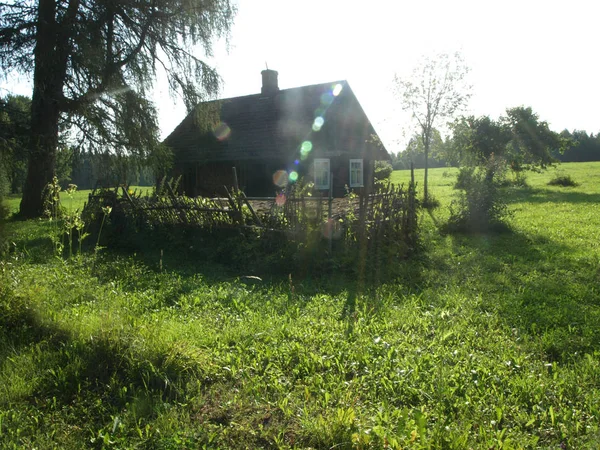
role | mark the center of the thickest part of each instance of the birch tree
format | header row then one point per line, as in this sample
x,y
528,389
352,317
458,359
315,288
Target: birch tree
x,y
435,91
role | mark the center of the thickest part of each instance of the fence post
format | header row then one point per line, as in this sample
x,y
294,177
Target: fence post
x,y
236,188
329,219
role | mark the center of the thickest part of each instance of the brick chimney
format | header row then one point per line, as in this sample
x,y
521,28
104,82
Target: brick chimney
x,y
270,85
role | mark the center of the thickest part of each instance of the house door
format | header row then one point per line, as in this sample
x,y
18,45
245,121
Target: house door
x,y
189,181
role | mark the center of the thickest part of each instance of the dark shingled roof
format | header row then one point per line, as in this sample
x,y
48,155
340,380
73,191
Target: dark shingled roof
x,y
274,126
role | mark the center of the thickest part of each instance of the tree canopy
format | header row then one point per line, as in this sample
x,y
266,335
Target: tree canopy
x,y
520,138
94,64
14,141
435,91
580,147
532,142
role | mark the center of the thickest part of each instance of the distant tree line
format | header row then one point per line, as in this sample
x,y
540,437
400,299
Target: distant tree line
x,y
576,146
86,169
93,64
582,147
90,170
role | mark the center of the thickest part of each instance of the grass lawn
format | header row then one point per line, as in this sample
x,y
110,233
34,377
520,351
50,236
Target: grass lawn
x,y
70,202
484,341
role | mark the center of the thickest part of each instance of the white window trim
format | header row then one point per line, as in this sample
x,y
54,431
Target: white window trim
x,y
318,162
362,173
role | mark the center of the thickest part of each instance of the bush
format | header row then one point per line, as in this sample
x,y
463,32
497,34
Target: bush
x,y
519,180
431,202
382,171
294,237
481,205
562,180
3,216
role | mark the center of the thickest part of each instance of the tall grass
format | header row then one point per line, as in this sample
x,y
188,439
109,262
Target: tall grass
x,y
485,341
70,203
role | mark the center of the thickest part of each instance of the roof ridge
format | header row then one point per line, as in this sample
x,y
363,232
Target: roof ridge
x,y
279,91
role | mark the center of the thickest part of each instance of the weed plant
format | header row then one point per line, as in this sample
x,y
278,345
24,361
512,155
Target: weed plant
x,y
485,341
561,179
283,244
480,205
431,203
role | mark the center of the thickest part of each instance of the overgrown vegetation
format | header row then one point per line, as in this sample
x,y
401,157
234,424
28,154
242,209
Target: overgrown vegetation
x,y
382,171
481,205
298,232
561,179
4,211
486,341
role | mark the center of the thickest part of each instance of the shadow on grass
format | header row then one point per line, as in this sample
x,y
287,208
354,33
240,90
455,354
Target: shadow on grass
x,y
68,368
265,263
31,238
534,284
540,195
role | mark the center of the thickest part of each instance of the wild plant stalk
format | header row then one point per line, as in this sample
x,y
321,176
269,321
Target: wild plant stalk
x,y
106,210
51,203
70,218
79,225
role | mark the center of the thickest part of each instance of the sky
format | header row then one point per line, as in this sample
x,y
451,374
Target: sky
x,y
542,54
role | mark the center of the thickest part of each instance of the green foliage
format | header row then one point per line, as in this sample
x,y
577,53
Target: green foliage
x,y
382,171
481,206
15,131
476,139
520,138
93,66
160,160
487,341
436,90
579,146
4,212
287,237
431,202
93,170
532,142
414,154
563,180
14,136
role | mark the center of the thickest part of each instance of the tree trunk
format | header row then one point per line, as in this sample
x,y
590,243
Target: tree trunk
x,y
48,78
426,148
42,159
425,181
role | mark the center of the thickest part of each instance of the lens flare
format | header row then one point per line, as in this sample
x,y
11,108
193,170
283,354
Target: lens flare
x,y
320,111
221,131
297,161
327,98
331,229
305,148
318,123
337,89
280,178
293,176
280,199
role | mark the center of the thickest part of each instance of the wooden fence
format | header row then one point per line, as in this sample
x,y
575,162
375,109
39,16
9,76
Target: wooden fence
x,y
389,213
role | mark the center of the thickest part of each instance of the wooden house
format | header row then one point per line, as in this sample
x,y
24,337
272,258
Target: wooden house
x,y
316,133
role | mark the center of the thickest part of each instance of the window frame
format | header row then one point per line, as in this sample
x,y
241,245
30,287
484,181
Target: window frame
x,y
361,181
317,162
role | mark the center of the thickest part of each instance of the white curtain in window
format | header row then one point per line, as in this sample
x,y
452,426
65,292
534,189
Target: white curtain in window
x,y
322,169
356,173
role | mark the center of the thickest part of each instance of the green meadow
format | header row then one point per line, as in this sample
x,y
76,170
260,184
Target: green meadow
x,y
479,341
70,202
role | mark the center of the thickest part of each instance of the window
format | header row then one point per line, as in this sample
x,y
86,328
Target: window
x,y
322,168
356,173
